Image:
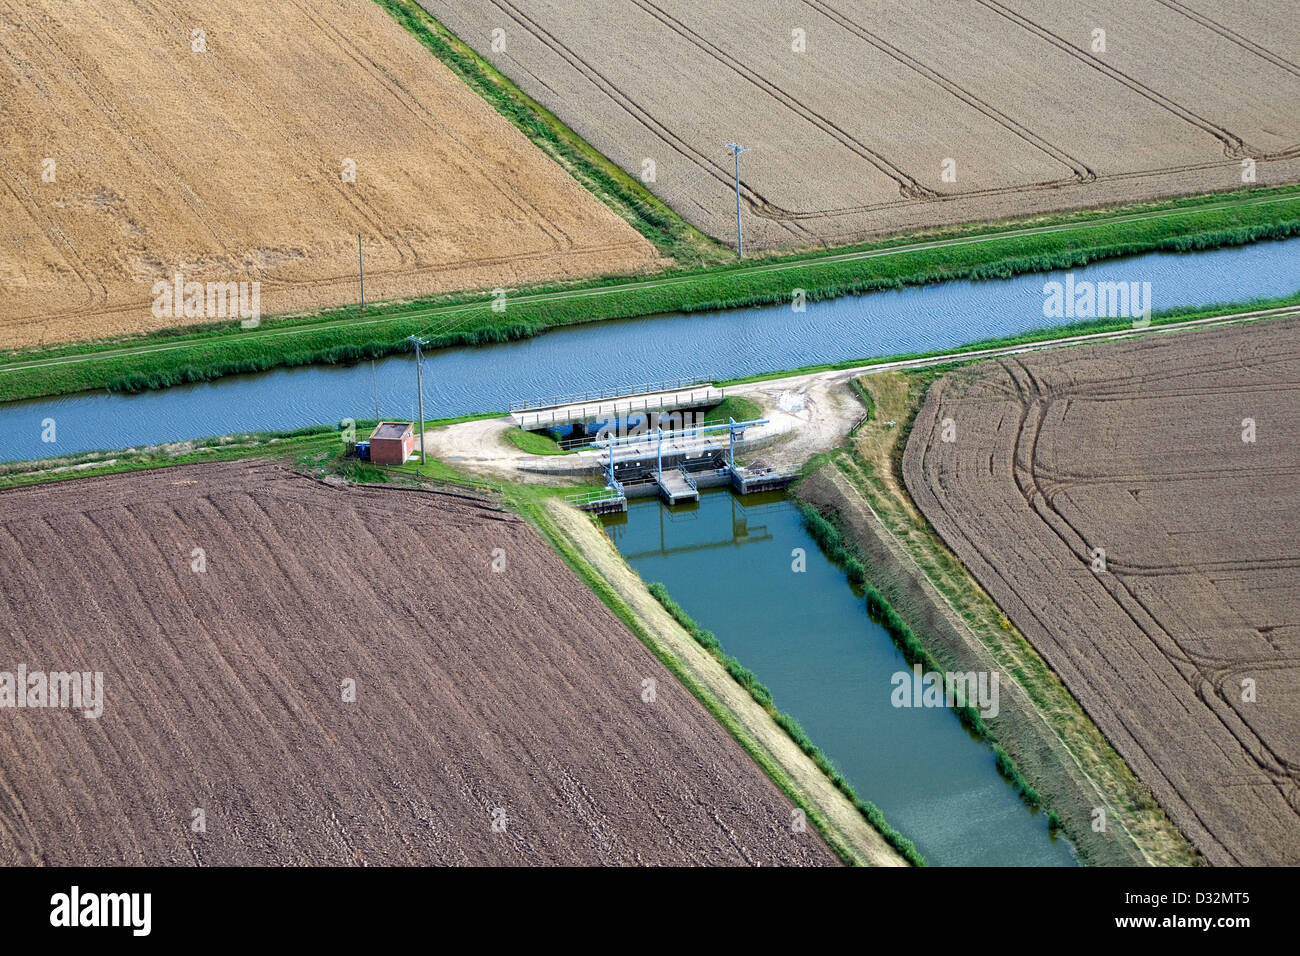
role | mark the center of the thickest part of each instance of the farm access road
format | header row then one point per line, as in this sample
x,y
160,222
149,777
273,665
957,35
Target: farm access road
x,y
450,317
810,413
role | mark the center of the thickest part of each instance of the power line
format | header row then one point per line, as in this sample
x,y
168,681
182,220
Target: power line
x,y
736,150
361,271
419,386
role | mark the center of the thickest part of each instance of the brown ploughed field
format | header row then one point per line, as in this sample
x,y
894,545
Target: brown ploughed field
x,y
1182,639
127,156
512,697
852,108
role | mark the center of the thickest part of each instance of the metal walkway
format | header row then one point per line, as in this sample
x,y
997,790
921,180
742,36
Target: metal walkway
x,y
677,486
671,463
609,409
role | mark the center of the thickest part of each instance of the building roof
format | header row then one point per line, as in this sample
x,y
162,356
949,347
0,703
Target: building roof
x,y
391,430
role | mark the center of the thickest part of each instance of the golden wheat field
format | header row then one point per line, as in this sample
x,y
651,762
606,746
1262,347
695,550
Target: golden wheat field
x,y
234,142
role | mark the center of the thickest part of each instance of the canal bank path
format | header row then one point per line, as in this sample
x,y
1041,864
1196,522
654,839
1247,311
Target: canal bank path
x,y
809,414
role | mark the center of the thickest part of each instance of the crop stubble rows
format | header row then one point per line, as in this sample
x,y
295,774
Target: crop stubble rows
x,y
228,165
1137,449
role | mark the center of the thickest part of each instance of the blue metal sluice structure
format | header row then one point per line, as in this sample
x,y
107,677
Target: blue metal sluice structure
x,y
675,464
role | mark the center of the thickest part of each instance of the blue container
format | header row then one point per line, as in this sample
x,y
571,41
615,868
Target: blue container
x,y
363,450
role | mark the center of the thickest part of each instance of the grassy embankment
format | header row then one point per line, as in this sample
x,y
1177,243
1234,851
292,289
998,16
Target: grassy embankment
x,y
161,359
319,451
1054,754
763,696
733,407
535,443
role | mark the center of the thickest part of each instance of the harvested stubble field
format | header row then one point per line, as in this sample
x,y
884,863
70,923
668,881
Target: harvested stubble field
x,y
228,165
848,138
1137,449
475,690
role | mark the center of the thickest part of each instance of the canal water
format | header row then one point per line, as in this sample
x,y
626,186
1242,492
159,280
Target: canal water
x,y
726,344
807,635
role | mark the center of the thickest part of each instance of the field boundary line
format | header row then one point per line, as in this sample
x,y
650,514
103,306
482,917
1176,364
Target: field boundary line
x,y
959,620
616,288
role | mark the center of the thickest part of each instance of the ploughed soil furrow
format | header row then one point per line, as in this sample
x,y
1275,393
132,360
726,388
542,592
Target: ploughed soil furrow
x,y
1141,526
498,715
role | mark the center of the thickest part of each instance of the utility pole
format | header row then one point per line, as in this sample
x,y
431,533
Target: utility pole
x,y
361,269
419,386
736,150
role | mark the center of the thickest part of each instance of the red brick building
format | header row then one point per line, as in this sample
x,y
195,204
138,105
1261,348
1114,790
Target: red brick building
x,y
391,443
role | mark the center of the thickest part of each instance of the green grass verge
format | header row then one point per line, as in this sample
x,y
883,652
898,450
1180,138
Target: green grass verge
x,y
763,697
733,406
344,335
534,443
321,442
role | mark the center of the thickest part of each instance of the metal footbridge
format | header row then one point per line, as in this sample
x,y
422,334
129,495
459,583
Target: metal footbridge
x,y
614,403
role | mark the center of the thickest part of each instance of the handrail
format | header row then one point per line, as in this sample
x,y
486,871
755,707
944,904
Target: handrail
x,y
619,391
539,418
605,494
694,486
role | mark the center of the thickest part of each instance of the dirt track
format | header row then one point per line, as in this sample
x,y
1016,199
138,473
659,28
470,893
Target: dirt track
x,y
475,690
1136,448
808,415
848,137
228,164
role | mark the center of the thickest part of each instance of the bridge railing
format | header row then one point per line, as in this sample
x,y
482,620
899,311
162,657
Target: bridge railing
x,y
686,476
567,414
603,394
612,493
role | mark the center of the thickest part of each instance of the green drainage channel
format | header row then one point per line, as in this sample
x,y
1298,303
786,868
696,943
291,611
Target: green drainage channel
x,y
730,563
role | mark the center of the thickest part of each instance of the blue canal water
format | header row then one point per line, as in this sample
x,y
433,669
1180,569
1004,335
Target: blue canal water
x,y
807,635
718,345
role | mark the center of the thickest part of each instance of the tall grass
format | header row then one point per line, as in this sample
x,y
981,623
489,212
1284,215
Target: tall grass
x,y
831,541
232,352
